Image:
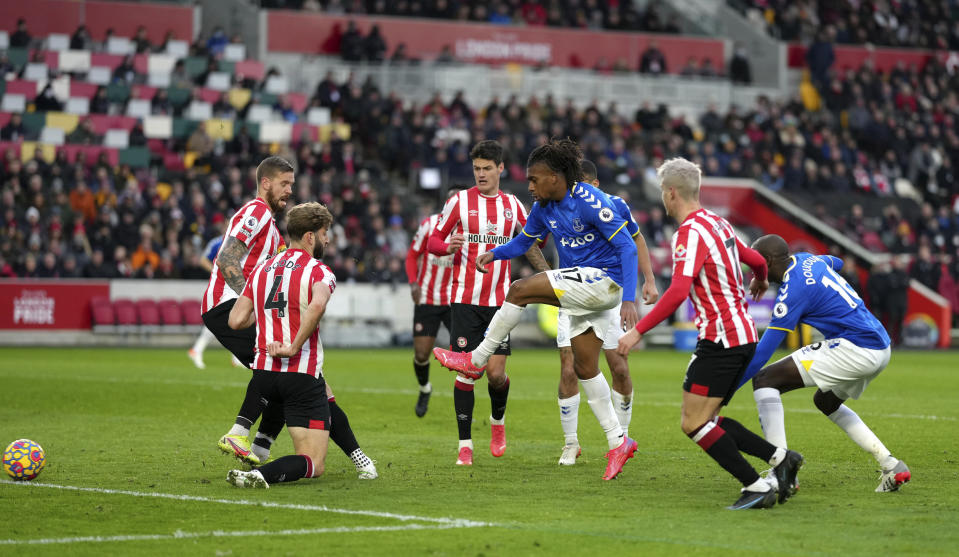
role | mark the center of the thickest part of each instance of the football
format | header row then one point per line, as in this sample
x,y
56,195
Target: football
x,y
23,459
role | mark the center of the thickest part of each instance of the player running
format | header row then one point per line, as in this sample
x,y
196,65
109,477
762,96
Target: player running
x,y
599,272
284,299
474,221
251,238
706,268
622,392
855,351
430,281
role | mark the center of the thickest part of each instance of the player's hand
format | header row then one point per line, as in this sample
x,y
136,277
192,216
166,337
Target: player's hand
x,y
415,293
628,341
456,243
757,288
628,315
650,292
279,350
483,260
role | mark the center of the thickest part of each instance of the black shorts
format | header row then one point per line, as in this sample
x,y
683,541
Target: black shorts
x,y
427,319
302,396
240,342
714,371
469,324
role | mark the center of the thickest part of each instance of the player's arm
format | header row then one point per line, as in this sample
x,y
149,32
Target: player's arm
x,y
309,321
437,244
535,257
206,264
413,256
833,262
772,338
760,283
242,314
524,242
229,258
650,292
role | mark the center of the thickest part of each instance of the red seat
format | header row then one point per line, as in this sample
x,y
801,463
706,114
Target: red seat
x,y
103,314
126,312
170,312
191,312
148,312
83,89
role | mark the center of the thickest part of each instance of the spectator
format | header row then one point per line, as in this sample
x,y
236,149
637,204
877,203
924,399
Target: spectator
x,y
926,269
446,56
80,40
740,72
125,72
47,101
20,38
141,42
84,134
533,13
653,61
217,41
820,57
100,103
374,46
501,15
352,44
145,252
14,130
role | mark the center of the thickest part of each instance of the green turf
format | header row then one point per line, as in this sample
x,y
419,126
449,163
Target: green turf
x,y
146,421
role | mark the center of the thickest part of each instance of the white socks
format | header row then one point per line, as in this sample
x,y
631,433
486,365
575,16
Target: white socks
x,y
852,424
427,388
505,318
597,395
466,443
261,452
501,421
569,418
623,405
237,429
771,415
204,339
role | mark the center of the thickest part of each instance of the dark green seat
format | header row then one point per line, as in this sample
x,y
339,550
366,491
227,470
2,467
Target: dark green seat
x,y
136,157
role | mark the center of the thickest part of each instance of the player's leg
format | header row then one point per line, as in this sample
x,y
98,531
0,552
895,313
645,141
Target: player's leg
x,y
768,385
341,433
622,391
421,367
710,378
569,399
531,290
498,388
195,353
466,329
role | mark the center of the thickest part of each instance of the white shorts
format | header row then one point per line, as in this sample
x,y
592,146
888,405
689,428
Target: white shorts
x,y
588,298
613,333
839,366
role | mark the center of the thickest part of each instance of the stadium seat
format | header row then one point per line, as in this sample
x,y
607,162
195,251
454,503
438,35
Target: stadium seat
x,y
234,52
58,41
118,92
78,105
18,57
298,101
144,91
279,132
318,116
102,59
28,150
199,110
177,49
301,132
36,72
136,157
4,118
219,128
62,120
191,312
250,69
148,315
138,108
160,63
13,102
126,315
226,66
218,81
53,136
99,75
34,121
158,127
22,87
178,95
74,61
277,85
260,113
83,89
238,98
182,128
4,40
117,139
194,65
104,318
120,46
159,80
171,315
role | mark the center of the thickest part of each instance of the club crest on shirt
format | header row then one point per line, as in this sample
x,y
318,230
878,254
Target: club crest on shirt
x,y
679,252
578,225
606,214
508,213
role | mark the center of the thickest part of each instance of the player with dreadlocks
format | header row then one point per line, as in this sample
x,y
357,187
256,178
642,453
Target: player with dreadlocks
x,y
599,271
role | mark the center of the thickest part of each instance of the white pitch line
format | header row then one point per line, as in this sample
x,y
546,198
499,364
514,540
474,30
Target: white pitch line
x,y
178,535
453,522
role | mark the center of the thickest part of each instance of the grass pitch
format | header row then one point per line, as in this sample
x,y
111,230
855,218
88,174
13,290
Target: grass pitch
x,y
132,466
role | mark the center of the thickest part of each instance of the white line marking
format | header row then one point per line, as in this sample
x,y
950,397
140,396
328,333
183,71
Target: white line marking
x,y
178,535
454,522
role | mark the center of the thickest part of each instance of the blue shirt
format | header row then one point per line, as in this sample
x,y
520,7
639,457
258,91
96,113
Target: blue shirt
x,y
812,292
213,248
587,227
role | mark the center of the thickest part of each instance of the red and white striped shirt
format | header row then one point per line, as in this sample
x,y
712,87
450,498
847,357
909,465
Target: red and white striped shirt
x,y
487,222
253,225
706,249
434,274
281,289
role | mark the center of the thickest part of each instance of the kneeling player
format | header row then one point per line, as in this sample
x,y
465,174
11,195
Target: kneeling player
x,y
285,297
855,351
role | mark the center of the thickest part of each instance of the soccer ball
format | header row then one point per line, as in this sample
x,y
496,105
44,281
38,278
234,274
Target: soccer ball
x,y
23,459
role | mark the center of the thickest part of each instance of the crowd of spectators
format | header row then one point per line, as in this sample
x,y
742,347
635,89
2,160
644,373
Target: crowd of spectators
x,y
929,24
583,14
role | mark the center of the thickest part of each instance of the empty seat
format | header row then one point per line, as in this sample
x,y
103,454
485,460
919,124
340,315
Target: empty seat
x,y
126,314
104,318
36,72
99,75
177,49
53,136
74,61
78,105
138,108
13,102
120,45
58,41
171,316
148,314
191,312
234,52
117,139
